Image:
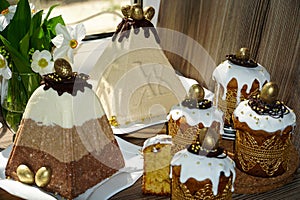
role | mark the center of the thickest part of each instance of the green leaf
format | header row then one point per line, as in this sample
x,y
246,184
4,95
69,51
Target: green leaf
x,y
22,64
20,23
50,10
24,46
4,5
36,21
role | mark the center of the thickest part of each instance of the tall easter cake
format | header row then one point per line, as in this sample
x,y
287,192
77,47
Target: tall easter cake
x,y
133,78
194,115
65,144
157,158
264,126
202,171
237,78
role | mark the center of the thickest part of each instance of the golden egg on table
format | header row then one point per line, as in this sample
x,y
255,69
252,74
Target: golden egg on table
x,y
196,92
137,12
62,67
269,92
126,11
43,176
25,175
243,54
149,12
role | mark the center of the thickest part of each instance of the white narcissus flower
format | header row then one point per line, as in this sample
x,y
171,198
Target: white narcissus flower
x,y
6,15
67,39
41,62
4,69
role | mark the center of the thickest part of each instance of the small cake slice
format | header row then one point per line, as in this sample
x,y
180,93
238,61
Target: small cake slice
x,y
157,157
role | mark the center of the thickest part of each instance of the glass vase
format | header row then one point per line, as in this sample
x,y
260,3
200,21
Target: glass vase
x,y
15,93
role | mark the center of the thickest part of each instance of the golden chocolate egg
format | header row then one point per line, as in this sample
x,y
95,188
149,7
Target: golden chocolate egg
x,y
24,174
43,176
211,140
196,92
269,92
126,11
137,12
149,12
62,67
243,54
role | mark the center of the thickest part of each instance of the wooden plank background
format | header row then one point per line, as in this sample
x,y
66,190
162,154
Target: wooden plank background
x,y
270,28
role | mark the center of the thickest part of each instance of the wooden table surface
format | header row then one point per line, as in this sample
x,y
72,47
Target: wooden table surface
x,y
290,191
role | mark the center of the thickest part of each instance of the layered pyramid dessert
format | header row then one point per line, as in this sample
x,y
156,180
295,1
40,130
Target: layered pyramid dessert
x,y
133,78
237,78
264,127
65,143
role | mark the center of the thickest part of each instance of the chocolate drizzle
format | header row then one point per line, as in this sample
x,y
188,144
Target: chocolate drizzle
x,y
71,84
244,63
197,149
275,110
127,23
193,103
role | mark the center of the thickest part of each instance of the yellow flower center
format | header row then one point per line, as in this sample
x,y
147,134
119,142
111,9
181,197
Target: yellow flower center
x,y
73,43
43,63
5,11
2,63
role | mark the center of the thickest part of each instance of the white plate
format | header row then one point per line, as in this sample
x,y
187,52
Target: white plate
x,y
187,83
124,178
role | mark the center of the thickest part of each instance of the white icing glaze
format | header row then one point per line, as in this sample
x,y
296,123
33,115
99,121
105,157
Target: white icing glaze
x,y
202,167
263,122
158,139
243,75
46,107
195,116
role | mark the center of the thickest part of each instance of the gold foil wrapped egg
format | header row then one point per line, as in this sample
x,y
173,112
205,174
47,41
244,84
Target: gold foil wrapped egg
x,y
43,176
243,54
269,92
137,12
62,67
149,13
196,92
25,175
211,140
126,11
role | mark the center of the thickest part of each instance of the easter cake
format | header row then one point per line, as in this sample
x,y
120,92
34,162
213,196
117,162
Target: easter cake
x,y
264,128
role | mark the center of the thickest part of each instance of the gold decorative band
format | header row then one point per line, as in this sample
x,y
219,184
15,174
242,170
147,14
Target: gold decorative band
x,y
180,191
269,155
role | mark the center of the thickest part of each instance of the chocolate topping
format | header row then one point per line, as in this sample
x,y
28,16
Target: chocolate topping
x,y
275,110
244,63
193,103
128,23
70,84
197,149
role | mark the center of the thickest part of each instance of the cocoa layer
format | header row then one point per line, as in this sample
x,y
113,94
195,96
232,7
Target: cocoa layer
x,y
65,144
72,178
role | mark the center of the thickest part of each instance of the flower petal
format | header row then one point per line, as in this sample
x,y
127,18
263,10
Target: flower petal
x,y
80,32
6,73
61,29
58,40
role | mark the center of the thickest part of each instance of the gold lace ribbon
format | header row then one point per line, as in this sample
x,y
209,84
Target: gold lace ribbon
x,y
269,156
180,191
